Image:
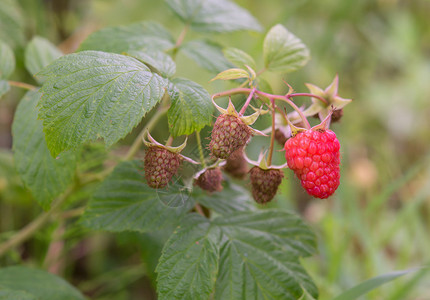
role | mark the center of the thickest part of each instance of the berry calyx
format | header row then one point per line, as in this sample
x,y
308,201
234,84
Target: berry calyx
x,y
228,134
210,180
265,183
160,166
314,157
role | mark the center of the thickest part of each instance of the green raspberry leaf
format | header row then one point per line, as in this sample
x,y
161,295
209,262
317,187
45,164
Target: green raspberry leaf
x,y
4,87
91,94
191,108
283,51
259,256
232,74
207,55
125,202
39,53
239,58
156,60
12,23
7,61
41,284
214,15
7,294
232,198
45,176
135,36
188,266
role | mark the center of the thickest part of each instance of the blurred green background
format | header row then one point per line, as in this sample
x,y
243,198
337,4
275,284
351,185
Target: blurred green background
x,y
379,219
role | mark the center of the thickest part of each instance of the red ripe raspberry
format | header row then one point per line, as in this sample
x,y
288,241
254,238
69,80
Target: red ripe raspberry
x,y
265,183
313,155
228,134
160,166
210,180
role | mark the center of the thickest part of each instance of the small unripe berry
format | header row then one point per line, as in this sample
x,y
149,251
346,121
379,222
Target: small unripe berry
x,y
228,134
210,180
236,164
160,166
265,183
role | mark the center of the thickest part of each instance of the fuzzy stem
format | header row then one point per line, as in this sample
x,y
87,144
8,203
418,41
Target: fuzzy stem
x,y
22,85
267,95
199,144
138,141
169,141
180,40
31,228
245,106
272,136
307,95
199,209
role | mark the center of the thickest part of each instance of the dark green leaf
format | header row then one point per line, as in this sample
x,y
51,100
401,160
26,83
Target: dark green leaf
x,y
191,108
157,60
39,283
239,58
232,198
371,284
214,15
259,256
94,94
7,61
44,175
11,23
283,51
207,54
125,202
7,294
130,37
39,53
188,266
4,87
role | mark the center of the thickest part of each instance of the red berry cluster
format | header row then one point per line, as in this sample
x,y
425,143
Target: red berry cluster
x,y
313,155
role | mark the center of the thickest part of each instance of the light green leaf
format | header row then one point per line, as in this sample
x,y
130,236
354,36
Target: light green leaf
x,y
371,284
188,266
232,74
135,36
45,176
214,15
39,283
259,256
91,94
4,87
39,53
8,294
125,202
160,61
7,61
11,23
191,108
283,51
232,198
239,58
207,55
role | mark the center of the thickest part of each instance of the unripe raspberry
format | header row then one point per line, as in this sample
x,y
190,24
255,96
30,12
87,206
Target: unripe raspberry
x,y
160,166
210,180
313,155
265,183
236,164
228,134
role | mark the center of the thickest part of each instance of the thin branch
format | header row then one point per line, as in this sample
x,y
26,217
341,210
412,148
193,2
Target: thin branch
x,y
22,85
272,136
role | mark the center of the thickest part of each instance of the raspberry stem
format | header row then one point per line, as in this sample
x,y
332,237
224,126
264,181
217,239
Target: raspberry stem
x,y
199,144
290,96
272,136
22,85
245,106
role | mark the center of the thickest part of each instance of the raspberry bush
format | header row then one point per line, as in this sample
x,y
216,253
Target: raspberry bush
x,y
204,201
